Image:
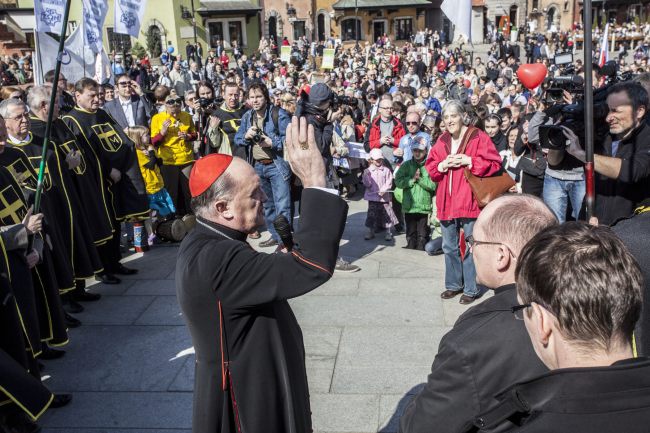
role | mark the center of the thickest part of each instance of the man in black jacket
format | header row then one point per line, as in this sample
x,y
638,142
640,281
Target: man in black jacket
x,y
250,357
580,291
487,348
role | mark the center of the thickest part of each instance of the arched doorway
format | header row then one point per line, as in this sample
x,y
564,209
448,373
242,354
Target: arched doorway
x,y
154,44
513,16
550,18
321,27
273,29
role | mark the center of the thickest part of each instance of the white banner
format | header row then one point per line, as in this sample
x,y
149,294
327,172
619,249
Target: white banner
x,y
77,61
459,12
94,12
49,15
128,16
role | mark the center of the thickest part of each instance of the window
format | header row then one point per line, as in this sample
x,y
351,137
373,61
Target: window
x,y
535,4
227,31
403,28
298,29
118,42
348,32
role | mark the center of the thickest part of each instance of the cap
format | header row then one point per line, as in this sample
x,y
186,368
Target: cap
x,y
375,154
206,171
419,144
319,93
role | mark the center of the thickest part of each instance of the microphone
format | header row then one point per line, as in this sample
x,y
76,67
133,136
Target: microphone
x,y
282,226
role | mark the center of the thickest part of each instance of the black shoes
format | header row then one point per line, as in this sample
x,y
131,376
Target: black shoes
x,y
83,296
123,270
107,279
71,306
70,321
49,353
61,400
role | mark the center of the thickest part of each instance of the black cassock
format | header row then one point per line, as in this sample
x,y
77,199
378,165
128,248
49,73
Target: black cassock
x,y
110,146
234,297
20,381
65,201
51,277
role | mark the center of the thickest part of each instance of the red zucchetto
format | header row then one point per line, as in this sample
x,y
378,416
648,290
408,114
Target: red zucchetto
x,y
206,171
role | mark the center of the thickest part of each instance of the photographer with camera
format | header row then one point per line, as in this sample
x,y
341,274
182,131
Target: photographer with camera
x,y
622,159
262,134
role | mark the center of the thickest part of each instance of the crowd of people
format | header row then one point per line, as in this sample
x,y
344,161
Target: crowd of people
x,y
404,123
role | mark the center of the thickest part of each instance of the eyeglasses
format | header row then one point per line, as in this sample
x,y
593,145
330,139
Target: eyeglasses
x,y
385,108
19,117
518,311
474,243
412,123
178,101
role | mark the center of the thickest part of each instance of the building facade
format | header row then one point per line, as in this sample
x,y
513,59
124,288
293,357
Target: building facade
x,y
506,16
548,16
172,23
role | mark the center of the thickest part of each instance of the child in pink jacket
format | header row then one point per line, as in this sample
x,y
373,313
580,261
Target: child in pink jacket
x,y
378,180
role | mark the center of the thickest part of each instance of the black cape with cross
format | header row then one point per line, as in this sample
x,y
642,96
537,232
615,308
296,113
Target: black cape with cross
x,y
65,200
37,291
100,134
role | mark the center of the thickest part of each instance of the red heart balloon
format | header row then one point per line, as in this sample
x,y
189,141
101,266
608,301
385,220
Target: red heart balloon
x,y
532,75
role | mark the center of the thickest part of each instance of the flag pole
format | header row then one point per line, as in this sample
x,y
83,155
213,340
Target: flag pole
x,y
50,114
589,109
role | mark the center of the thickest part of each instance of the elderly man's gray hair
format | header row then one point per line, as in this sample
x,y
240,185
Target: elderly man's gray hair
x,y
8,104
37,95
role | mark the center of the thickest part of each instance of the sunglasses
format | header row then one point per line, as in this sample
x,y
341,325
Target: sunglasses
x,y
178,101
124,83
412,123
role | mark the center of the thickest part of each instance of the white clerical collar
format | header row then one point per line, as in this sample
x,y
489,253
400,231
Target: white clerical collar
x,y
14,140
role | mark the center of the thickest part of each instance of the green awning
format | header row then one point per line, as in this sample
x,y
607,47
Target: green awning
x,y
380,4
218,7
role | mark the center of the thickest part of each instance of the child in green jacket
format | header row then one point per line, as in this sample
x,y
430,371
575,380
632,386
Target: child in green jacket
x,y
418,189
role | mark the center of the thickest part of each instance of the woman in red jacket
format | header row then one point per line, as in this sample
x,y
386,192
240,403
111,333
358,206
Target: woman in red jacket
x,y
456,206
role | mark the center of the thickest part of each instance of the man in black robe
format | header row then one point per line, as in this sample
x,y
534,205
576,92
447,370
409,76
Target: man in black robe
x,y
118,175
250,357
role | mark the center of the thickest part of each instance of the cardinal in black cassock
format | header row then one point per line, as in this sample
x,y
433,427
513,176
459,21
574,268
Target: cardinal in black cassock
x,y
250,358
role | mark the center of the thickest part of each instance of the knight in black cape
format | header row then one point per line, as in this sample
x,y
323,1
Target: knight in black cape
x,y
250,358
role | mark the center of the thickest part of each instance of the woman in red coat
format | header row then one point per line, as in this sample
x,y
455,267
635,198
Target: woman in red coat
x,y
456,206
224,60
394,62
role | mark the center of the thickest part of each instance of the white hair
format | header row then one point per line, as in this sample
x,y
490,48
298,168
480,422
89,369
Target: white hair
x,y
455,106
37,95
7,104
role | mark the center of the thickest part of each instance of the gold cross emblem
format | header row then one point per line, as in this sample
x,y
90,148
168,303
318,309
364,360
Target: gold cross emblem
x,y
108,137
13,209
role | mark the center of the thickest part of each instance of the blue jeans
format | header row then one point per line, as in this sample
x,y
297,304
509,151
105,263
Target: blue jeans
x,y
459,274
278,195
557,193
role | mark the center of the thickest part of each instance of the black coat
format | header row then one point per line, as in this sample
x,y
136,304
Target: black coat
x,y
617,198
611,399
486,350
235,298
635,234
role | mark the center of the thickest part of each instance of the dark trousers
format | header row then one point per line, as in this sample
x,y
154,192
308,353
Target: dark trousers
x,y
110,253
417,230
178,187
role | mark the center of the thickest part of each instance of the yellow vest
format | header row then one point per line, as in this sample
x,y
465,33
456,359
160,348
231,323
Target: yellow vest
x,y
153,180
174,150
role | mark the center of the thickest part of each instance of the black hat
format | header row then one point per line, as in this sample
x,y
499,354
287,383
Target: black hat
x,y
319,93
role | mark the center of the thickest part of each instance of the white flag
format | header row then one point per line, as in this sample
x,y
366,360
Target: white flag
x,y
603,56
459,13
94,12
77,61
49,15
128,16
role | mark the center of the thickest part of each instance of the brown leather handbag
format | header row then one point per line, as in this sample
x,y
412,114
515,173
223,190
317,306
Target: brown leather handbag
x,y
485,189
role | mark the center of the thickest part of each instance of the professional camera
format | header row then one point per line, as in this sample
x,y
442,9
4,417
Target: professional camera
x,y
210,105
257,137
336,101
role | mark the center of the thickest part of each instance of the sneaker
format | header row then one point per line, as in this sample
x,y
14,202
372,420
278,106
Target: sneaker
x,y
344,266
388,237
152,239
369,234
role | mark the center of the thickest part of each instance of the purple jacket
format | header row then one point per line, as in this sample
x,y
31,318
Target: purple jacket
x,y
376,180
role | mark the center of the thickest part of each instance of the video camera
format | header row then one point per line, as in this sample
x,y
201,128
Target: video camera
x,y
210,105
567,80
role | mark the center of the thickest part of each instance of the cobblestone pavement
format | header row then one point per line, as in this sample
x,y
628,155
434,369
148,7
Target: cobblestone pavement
x,y
370,338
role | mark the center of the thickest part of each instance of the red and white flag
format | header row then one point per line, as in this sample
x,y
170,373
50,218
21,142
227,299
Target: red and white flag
x,y
603,56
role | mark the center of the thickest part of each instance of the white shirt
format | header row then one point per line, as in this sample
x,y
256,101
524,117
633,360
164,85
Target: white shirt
x,y
127,107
